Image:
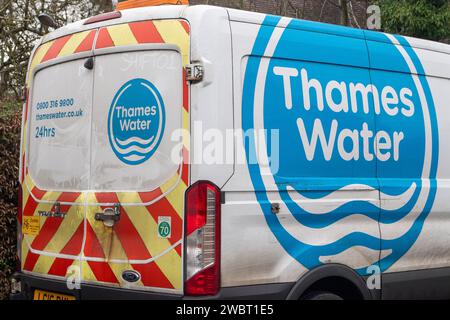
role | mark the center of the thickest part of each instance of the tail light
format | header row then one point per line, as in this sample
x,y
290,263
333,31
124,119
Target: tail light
x,y
19,225
202,242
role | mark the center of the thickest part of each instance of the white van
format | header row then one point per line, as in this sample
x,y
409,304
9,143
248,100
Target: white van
x,y
181,151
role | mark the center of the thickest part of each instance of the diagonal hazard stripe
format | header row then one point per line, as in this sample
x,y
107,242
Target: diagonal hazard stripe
x,y
53,196
87,43
121,35
102,242
55,49
25,251
86,272
28,258
31,204
104,39
137,233
185,26
161,208
96,271
37,58
27,185
78,42
102,272
25,196
151,276
118,252
47,230
146,225
67,229
93,246
67,238
98,238
145,32
169,263
176,196
129,237
72,247
59,267
173,32
30,261
43,264
50,226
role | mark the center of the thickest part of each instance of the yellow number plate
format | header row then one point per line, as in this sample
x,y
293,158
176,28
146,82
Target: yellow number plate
x,y
45,295
31,225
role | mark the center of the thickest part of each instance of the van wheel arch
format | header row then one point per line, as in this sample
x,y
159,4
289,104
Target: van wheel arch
x,y
326,278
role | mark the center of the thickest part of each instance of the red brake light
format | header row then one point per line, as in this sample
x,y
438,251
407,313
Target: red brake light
x,y
104,17
202,239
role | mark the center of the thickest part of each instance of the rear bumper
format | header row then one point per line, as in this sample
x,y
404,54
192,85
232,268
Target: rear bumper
x,y
29,283
87,291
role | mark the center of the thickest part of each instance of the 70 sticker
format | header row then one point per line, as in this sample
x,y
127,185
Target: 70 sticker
x,y
164,227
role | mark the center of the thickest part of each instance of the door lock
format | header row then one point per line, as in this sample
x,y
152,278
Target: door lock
x,y
89,63
109,216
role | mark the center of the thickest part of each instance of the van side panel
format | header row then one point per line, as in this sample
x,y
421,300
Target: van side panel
x,y
419,269
318,219
360,137
212,144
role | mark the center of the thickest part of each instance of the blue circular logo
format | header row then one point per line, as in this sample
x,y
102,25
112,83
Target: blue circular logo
x,y
136,121
339,128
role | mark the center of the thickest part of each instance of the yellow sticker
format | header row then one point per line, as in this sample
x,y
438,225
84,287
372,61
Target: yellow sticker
x,y
31,225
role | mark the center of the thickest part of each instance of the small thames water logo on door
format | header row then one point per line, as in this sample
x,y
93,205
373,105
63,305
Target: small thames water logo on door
x,y
164,227
136,121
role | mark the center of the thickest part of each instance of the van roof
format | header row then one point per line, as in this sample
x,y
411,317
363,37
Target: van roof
x,y
179,11
314,26
128,15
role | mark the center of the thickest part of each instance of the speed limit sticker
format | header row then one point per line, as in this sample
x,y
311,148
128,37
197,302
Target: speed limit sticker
x,y
164,227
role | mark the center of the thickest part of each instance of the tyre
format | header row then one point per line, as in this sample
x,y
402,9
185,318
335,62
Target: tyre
x,y
321,295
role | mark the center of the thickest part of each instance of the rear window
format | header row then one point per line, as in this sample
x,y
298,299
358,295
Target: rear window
x,y
136,92
113,128
60,127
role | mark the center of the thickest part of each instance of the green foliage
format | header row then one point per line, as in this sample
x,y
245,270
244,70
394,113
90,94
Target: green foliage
x,y
10,119
20,30
428,19
9,108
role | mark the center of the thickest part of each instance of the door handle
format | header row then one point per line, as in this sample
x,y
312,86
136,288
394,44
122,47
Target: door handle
x,y
109,216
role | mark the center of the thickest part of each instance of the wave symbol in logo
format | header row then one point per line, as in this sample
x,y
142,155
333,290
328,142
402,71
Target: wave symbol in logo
x,y
136,121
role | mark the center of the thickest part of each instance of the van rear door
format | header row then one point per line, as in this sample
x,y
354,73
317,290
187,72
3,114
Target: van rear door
x,y
123,156
57,167
137,109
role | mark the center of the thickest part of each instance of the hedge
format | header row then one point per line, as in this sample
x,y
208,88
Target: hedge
x,y
10,119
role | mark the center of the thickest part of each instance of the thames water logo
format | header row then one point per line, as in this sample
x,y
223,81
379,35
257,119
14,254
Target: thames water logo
x,y
136,121
341,128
